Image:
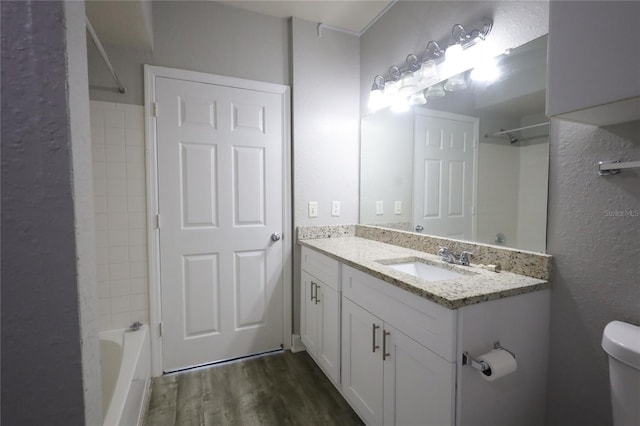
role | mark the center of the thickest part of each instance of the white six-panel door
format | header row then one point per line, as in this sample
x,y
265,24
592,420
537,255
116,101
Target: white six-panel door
x,y
220,199
445,153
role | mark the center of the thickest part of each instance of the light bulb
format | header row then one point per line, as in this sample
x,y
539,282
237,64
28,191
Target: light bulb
x,y
417,98
376,100
453,52
391,88
434,92
456,83
428,73
487,71
400,104
408,84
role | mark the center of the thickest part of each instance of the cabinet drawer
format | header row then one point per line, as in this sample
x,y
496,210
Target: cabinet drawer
x,y
428,323
321,267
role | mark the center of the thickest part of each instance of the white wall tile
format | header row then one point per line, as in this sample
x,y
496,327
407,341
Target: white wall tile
x,y
99,171
117,272
113,119
137,221
138,269
117,132
120,304
121,320
113,136
116,204
137,237
104,290
139,286
115,154
118,221
120,288
119,254
101,221
116,170
118,238
134,136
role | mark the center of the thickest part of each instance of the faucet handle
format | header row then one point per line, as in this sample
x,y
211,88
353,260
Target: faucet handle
x,y
464,257
442,250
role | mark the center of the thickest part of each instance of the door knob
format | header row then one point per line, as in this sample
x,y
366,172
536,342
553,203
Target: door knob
x,y
419,228
275,237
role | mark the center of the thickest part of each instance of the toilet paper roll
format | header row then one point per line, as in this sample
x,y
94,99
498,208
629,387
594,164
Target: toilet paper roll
x,y
500,362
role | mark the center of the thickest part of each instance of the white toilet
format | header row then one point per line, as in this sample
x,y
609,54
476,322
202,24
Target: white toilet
x,y
622,342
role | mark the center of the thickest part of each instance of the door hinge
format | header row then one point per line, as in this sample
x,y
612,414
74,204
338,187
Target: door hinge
x,y
155,109
157,221
160,329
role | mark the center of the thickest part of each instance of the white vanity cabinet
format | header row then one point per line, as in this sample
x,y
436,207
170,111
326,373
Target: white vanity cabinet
x,y
388,377
320,311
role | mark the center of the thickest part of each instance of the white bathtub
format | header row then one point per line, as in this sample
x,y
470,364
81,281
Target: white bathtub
x,y
126,369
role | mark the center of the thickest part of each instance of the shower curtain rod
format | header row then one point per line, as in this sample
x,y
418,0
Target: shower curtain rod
x,y
103,53
504,132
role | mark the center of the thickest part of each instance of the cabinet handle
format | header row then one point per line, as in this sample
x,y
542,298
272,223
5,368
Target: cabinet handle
x,y
385,355
373,338
312,285
317,300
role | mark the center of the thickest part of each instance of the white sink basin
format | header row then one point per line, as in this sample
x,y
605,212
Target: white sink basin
x,y
426,272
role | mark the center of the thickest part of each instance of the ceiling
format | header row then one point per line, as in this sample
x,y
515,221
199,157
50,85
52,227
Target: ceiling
x,y
128,23
351,15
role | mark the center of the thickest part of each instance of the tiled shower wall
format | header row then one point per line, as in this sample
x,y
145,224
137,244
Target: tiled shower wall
x,y
117,136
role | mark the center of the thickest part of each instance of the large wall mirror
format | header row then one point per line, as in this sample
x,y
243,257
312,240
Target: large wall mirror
x,y
470,164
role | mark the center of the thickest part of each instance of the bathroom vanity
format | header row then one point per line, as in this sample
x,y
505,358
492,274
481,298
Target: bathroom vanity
x,y
393,342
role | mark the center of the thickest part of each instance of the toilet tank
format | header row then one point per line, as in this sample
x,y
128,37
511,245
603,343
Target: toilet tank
x,y
621,341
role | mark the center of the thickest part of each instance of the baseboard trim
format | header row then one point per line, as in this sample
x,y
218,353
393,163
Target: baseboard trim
x,y
296,344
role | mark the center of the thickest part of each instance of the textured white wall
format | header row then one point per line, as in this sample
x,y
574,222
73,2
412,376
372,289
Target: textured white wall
x,y
78,84
326,120
200,36
42,283
593,237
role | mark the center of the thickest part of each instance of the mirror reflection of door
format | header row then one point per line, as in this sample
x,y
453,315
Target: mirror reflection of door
x,y
445,174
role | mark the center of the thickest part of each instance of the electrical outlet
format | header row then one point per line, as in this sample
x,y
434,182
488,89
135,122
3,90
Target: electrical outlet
x,y
397,207
335,208
379,208
313,209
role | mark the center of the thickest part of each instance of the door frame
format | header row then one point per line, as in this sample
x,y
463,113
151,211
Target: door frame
x,y
426,112
153,231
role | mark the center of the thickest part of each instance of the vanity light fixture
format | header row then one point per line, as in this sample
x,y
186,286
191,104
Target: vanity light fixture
x,y
376,97
486,72
408,82
421,71
457,83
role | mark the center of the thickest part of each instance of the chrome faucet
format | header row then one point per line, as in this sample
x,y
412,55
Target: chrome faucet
x,y
135,326
449,257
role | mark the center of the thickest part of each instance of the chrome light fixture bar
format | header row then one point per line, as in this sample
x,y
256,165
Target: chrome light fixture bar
x,y
421,68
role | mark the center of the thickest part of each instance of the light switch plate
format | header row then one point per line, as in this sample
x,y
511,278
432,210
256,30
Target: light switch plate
x,y
335,208
313,209
379,207
397,207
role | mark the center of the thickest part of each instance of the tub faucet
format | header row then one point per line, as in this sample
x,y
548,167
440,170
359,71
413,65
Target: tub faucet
x,y
135,326
449,257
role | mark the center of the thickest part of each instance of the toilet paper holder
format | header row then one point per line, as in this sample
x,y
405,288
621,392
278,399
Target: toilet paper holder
x,y
481,365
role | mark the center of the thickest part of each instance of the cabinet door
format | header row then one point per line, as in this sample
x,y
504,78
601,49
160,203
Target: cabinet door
x,y
308,313
418,384
362,361
329,331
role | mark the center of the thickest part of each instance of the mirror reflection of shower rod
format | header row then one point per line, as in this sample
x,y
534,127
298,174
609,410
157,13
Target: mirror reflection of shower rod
x,y
517,129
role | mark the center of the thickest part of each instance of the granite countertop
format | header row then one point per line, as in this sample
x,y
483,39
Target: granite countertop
x,y
477,285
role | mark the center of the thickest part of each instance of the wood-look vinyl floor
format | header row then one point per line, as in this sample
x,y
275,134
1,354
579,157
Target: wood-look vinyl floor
x,y
277,389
